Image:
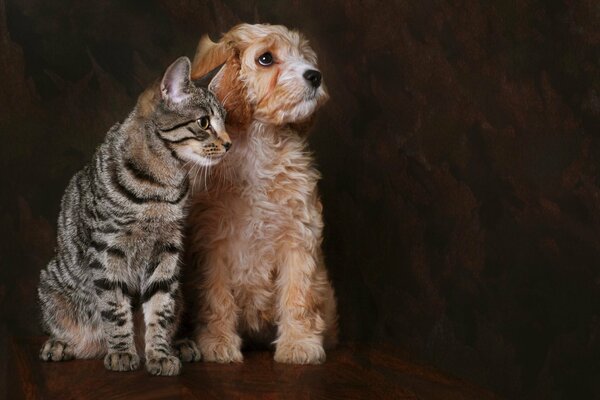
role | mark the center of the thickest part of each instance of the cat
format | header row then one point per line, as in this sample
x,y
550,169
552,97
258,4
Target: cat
x,y
120,230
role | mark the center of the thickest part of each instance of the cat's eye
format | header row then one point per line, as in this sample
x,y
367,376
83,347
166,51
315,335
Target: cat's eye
x,y
204,122
265,59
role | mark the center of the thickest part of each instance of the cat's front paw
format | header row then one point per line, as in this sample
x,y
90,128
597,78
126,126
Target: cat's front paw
x,y
187,351
55,350
121,361
165,366
221,350
299,353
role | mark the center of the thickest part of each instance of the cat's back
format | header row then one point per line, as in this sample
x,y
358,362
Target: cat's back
x,y
80,188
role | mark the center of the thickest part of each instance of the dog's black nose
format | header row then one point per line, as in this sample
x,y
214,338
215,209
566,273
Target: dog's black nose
x,y
313,76
227,145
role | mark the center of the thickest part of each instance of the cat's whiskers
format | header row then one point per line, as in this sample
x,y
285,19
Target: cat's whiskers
x,y
205,175
211,176
219,179
186,169
227,174
190,174
202,178
197,168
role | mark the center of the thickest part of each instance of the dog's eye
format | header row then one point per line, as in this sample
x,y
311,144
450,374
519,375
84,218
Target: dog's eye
x,y
265,59
204,122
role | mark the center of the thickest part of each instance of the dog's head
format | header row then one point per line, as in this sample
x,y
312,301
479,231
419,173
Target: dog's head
x,y
269,74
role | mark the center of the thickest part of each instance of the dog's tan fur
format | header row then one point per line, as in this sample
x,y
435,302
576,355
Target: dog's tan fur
x,y
256,233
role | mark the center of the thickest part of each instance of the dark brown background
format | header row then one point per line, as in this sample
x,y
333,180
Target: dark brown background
x,y
459,152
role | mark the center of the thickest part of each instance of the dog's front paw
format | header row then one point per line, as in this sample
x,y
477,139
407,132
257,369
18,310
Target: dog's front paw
x,y
55,350
221,350
121,361
187,351
299,353
165,366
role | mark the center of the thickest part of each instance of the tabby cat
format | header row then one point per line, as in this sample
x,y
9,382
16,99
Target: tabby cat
x,y
120,231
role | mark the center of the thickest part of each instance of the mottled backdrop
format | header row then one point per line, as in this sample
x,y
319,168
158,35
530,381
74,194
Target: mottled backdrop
x,y
459,152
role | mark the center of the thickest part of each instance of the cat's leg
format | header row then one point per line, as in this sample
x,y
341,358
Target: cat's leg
x,y
183,347
218,338
55,309
56,350
299,323
71,324
186,350
73,334
117,322
160,298
114,303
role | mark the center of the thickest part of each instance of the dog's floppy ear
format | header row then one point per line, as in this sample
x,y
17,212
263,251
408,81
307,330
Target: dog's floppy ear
x,y
209,55
208,81
226,84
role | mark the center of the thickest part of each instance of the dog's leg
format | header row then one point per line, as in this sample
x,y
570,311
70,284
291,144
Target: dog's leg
x,y
300,325
218,339
325,295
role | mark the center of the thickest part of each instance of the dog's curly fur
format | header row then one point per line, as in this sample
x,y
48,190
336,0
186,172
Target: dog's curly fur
x,y
255,234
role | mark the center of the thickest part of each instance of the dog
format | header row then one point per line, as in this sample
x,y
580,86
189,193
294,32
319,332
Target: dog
x,y
255,234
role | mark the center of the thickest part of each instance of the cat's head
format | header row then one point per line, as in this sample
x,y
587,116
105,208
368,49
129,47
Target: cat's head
x,y
189,118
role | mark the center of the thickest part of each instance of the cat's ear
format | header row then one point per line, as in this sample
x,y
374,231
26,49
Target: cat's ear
x,y
209,55
175,83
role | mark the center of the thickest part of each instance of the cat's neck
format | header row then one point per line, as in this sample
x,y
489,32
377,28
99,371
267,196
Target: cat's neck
x,y
145,148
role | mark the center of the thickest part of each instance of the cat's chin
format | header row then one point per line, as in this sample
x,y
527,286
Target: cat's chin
x,y
191,158
204,161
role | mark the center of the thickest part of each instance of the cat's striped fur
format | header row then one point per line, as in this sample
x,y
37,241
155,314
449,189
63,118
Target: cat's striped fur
x,y
120,230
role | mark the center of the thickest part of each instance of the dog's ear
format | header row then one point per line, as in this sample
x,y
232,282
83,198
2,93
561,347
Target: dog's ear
x,y
209,55
232,92
226,84
210,80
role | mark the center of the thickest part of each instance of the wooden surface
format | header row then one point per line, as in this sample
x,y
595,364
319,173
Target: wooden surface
x,y
351,372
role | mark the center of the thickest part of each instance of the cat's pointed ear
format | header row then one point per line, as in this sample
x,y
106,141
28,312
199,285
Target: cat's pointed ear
x,y
208,80
176,80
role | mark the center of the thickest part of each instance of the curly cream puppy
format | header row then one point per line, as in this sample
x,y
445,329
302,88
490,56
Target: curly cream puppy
x,y
256,232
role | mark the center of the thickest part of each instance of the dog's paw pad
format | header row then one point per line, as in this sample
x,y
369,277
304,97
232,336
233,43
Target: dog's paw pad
x,y
221,352
299,353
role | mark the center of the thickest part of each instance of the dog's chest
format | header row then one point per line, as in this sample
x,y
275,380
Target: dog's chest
x,y
254,290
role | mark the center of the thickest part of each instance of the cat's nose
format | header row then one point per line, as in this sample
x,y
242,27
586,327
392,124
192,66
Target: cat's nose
x,y
224,139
